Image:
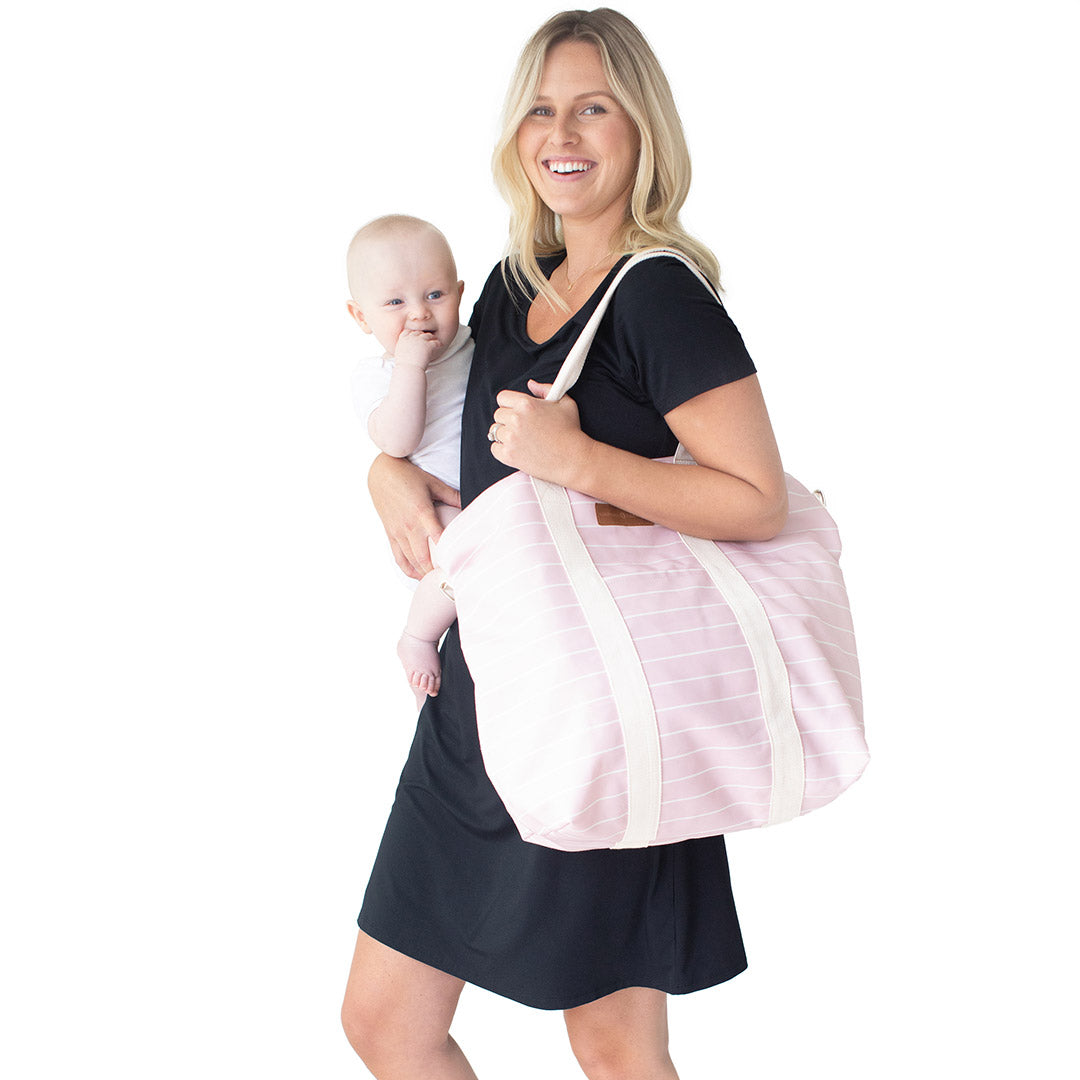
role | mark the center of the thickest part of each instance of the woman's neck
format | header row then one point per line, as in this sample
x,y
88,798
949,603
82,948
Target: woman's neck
x,y
590,253
590,243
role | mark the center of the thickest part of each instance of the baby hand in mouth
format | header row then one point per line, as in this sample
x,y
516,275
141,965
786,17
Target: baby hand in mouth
x,y
417,348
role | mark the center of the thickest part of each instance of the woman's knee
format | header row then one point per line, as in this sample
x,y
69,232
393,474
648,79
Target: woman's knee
x,y
616,1056
602,1057
622,1037
367,1024
391,1035
396,1007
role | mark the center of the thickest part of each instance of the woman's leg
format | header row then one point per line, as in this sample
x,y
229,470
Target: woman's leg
x,y
623,1036
397,1015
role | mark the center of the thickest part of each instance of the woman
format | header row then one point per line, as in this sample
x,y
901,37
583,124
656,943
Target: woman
x,y
593,164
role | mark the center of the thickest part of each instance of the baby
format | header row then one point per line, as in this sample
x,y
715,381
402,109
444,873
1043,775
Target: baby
x,y
405,291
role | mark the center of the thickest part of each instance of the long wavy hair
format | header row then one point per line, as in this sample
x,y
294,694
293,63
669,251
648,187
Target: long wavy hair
x,y
663,173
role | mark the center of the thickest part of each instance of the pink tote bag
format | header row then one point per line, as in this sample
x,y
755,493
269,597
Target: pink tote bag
x,y
636,686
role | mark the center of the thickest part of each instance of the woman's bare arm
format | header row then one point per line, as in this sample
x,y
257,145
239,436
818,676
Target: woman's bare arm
x,y
736,491
404,497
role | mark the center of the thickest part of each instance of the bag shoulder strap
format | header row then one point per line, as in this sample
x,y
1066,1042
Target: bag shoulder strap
x,y
575,359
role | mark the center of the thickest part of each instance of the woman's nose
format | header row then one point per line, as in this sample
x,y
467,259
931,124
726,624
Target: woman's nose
x,y
564,130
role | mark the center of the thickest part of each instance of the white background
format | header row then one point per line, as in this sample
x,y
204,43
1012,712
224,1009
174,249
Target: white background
x,y
203,720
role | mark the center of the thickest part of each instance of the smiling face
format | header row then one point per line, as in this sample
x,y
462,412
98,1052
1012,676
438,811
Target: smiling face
x,y
577,145
406,280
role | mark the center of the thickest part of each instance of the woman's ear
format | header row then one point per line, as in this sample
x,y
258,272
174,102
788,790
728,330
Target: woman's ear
x,y
358,315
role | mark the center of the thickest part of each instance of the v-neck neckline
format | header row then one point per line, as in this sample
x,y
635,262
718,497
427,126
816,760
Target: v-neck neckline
x,y
582,312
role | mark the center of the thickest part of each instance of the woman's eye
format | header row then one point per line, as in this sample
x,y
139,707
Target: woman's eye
x,y
593,110
540,110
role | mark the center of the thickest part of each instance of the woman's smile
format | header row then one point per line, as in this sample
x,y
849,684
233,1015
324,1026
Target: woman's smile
x,y
572,168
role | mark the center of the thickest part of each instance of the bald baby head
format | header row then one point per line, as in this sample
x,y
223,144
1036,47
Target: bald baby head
x,y
402,277
391,230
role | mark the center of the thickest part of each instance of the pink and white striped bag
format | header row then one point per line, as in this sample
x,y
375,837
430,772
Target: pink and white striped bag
x,y
635,686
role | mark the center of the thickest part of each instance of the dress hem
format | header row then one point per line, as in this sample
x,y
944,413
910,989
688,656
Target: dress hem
x,y
573,1001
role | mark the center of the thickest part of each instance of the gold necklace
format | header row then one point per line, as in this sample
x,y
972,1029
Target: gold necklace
x,y
566,273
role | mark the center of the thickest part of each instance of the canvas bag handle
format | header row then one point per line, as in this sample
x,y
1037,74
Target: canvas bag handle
x,y
575,359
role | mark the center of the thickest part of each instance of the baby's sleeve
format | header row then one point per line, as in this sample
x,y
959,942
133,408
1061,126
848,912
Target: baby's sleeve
x,y
370,384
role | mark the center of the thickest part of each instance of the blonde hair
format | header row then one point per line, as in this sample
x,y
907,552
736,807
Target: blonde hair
x,y
389,226
663,173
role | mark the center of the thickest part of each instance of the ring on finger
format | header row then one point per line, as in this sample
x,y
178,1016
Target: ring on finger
x,y
493,434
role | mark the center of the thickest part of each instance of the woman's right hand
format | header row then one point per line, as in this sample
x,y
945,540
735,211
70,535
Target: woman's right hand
x,y
404,498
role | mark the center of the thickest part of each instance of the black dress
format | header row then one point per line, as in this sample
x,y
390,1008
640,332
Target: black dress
x,y
453,884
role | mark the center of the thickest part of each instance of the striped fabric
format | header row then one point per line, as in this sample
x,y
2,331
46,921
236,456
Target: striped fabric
x,y
561,741
635,686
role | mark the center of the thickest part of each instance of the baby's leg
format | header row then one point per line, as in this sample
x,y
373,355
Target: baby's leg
x,y
430,616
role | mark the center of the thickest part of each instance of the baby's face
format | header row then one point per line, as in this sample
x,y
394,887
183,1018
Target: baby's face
x,y
408,283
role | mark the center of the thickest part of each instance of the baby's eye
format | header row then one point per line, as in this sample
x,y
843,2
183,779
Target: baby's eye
x,y
394,302
436,294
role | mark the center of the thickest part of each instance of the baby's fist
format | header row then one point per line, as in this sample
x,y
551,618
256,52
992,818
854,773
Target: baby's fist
x,y
416,348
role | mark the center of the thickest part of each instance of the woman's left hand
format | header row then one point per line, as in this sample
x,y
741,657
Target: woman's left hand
x,y
541,438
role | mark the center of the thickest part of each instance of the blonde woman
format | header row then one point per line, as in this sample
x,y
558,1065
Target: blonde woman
x,y
593,164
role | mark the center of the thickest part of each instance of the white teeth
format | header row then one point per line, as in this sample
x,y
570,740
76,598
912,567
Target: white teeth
x,y
568,166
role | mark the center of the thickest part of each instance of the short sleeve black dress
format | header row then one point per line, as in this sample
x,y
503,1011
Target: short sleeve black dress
x,y
454,885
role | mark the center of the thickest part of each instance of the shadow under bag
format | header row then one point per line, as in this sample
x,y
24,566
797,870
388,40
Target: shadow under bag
x,y
637,686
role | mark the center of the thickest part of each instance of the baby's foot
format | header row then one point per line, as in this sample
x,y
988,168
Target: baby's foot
x,y
420,659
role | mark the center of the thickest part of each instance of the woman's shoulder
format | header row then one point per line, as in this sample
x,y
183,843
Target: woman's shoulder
x,y
662,295
662,308
661,280
502,285
494,279
490,297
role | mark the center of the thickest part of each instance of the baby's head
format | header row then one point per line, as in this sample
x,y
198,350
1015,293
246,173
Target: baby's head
x,y
402,277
